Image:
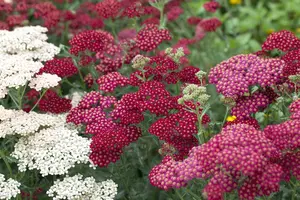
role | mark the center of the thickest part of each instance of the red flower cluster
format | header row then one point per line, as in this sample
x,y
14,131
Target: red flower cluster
x,y
179,130
289,44
210,25
282,40
53,103
109,82
110,137
164,69
211,6
62,67
150,37
93,41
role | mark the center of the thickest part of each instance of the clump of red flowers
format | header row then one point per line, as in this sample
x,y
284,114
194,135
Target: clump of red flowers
x,y
62,67
151,36
211,6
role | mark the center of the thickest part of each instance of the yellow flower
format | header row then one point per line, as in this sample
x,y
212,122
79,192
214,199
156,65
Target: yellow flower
x,y
298,30
235,2
231,118
269,31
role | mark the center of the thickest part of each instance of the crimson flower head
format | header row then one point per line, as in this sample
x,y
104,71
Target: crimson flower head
x,y
62,67
211,24
53,103
108,8
174,13
194,20
211,6
245,106
90,40
109,82
282,40
151,36
295,109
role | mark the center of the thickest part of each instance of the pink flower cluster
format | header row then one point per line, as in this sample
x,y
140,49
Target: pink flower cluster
x,y
233,77
239,158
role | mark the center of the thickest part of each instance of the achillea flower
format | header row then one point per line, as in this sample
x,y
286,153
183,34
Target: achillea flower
x,y
109,82
239,156
21,54
18,122
4,26
292,67
44,80
282,40
15,20
174,13
90,40
194,20
295,110
187,75
108,8
127,34
248,105
234,76
111,58
150,37
210,25
53,103
85,188
5,7
211,6
107,146
89,80
62,67
8,188
250,121
52,151
153,20
285,136
48,12
110,136
178,130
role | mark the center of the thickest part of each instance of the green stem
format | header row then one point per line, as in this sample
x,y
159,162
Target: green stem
x,y
69,83
225,117
79,72
15,101
2,155
22,95
200,129
178,194
44,92
193,194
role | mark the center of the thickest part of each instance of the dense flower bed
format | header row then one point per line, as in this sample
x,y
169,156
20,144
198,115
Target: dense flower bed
x,y
128,99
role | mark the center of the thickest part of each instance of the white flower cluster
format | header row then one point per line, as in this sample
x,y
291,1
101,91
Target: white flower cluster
x,y
22,52
19,122
8,188
75,188
28,42
53,151
44,80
